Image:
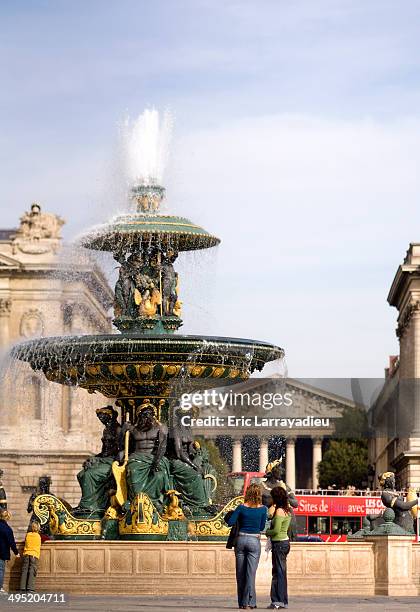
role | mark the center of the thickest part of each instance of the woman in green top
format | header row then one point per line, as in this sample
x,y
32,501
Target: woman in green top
x,y
280,547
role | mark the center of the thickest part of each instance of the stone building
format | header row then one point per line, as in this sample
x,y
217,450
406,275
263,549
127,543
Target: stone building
x,y
316,410
395,415
46,289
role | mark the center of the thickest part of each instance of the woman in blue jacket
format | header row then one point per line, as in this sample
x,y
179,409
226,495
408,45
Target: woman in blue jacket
x,y
251,517
7,543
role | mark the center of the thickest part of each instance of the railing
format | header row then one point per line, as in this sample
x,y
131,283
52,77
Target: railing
x,y
343,492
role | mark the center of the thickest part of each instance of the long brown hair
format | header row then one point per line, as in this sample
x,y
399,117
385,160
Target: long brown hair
x,y
253,495
280,498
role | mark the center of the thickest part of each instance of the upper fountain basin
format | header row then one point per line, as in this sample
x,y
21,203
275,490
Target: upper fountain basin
x,y
110,363
137,229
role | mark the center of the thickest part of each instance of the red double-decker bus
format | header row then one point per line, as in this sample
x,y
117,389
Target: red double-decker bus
x,y
330,515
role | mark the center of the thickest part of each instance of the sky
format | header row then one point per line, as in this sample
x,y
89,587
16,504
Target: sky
x,y
296,141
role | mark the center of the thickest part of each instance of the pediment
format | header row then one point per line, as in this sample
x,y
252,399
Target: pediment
x,y
306,400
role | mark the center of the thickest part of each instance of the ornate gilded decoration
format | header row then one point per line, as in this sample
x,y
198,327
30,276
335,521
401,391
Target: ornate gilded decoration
x,y
382,477
270,466
143,519
411,496
49,509
173,510
120,472
216,526
148,197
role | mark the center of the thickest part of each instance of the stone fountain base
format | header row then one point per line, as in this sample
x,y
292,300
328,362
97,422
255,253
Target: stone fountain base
x,y
389,566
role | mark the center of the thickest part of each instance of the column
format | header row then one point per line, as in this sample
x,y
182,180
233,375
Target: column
x,y
5,307
263,454
237,455
291,463
316,458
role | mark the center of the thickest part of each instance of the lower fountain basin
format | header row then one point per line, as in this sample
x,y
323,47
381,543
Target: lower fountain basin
x,y
118,365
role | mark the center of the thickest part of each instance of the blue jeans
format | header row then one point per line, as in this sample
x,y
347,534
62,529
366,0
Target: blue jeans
x,y
2,570
247,553
279,552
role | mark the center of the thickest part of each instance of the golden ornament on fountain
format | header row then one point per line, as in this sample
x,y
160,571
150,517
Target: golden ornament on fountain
x,y
411,496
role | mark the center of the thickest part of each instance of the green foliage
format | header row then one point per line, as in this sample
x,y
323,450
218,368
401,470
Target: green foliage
x,y
353,424
344,463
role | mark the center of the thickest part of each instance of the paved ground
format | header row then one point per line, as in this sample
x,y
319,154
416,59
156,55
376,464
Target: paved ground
x,y
199,604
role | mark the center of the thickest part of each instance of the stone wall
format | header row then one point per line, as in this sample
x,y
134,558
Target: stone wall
x,y
23,471
194,568
386,565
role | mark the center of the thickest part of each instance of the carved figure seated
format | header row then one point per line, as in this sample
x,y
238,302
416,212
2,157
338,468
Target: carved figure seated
x,y
96,478
188,468
148,468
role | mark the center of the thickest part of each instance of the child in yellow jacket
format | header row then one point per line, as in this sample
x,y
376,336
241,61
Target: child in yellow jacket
x,y
31,554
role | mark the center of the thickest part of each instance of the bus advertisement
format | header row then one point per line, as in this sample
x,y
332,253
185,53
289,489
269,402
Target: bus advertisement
x,y
328,514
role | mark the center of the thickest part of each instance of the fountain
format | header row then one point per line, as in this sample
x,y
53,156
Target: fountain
x,y
151,480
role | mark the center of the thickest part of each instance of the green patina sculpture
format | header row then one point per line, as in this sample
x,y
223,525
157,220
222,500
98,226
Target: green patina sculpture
x,y
389,526
191,473
396,519
185,469
96,479
393,500
148,468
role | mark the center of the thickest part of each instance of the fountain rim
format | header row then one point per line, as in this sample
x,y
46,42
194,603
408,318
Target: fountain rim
x,y
132,226
165,339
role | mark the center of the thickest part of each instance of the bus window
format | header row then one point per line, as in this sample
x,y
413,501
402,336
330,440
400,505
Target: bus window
x,y
301,524
237,482
319,524
256,480
342,525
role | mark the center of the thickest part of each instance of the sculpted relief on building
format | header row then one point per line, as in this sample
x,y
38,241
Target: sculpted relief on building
x,y
32,324
38,233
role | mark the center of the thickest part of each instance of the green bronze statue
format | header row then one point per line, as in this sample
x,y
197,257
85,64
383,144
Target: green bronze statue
x,y
275,473
148,468
96,479
392,499
188,468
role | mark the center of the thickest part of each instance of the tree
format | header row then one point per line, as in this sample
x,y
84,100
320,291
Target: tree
x,y
345,462
352,424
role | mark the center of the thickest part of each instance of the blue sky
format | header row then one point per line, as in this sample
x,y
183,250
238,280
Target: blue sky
x,y
296,140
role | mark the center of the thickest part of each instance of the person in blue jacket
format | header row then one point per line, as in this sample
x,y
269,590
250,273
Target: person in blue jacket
x,y
251,517
7,543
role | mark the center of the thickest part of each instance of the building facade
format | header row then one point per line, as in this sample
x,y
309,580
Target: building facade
x,y
395,415
46,289
254,443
